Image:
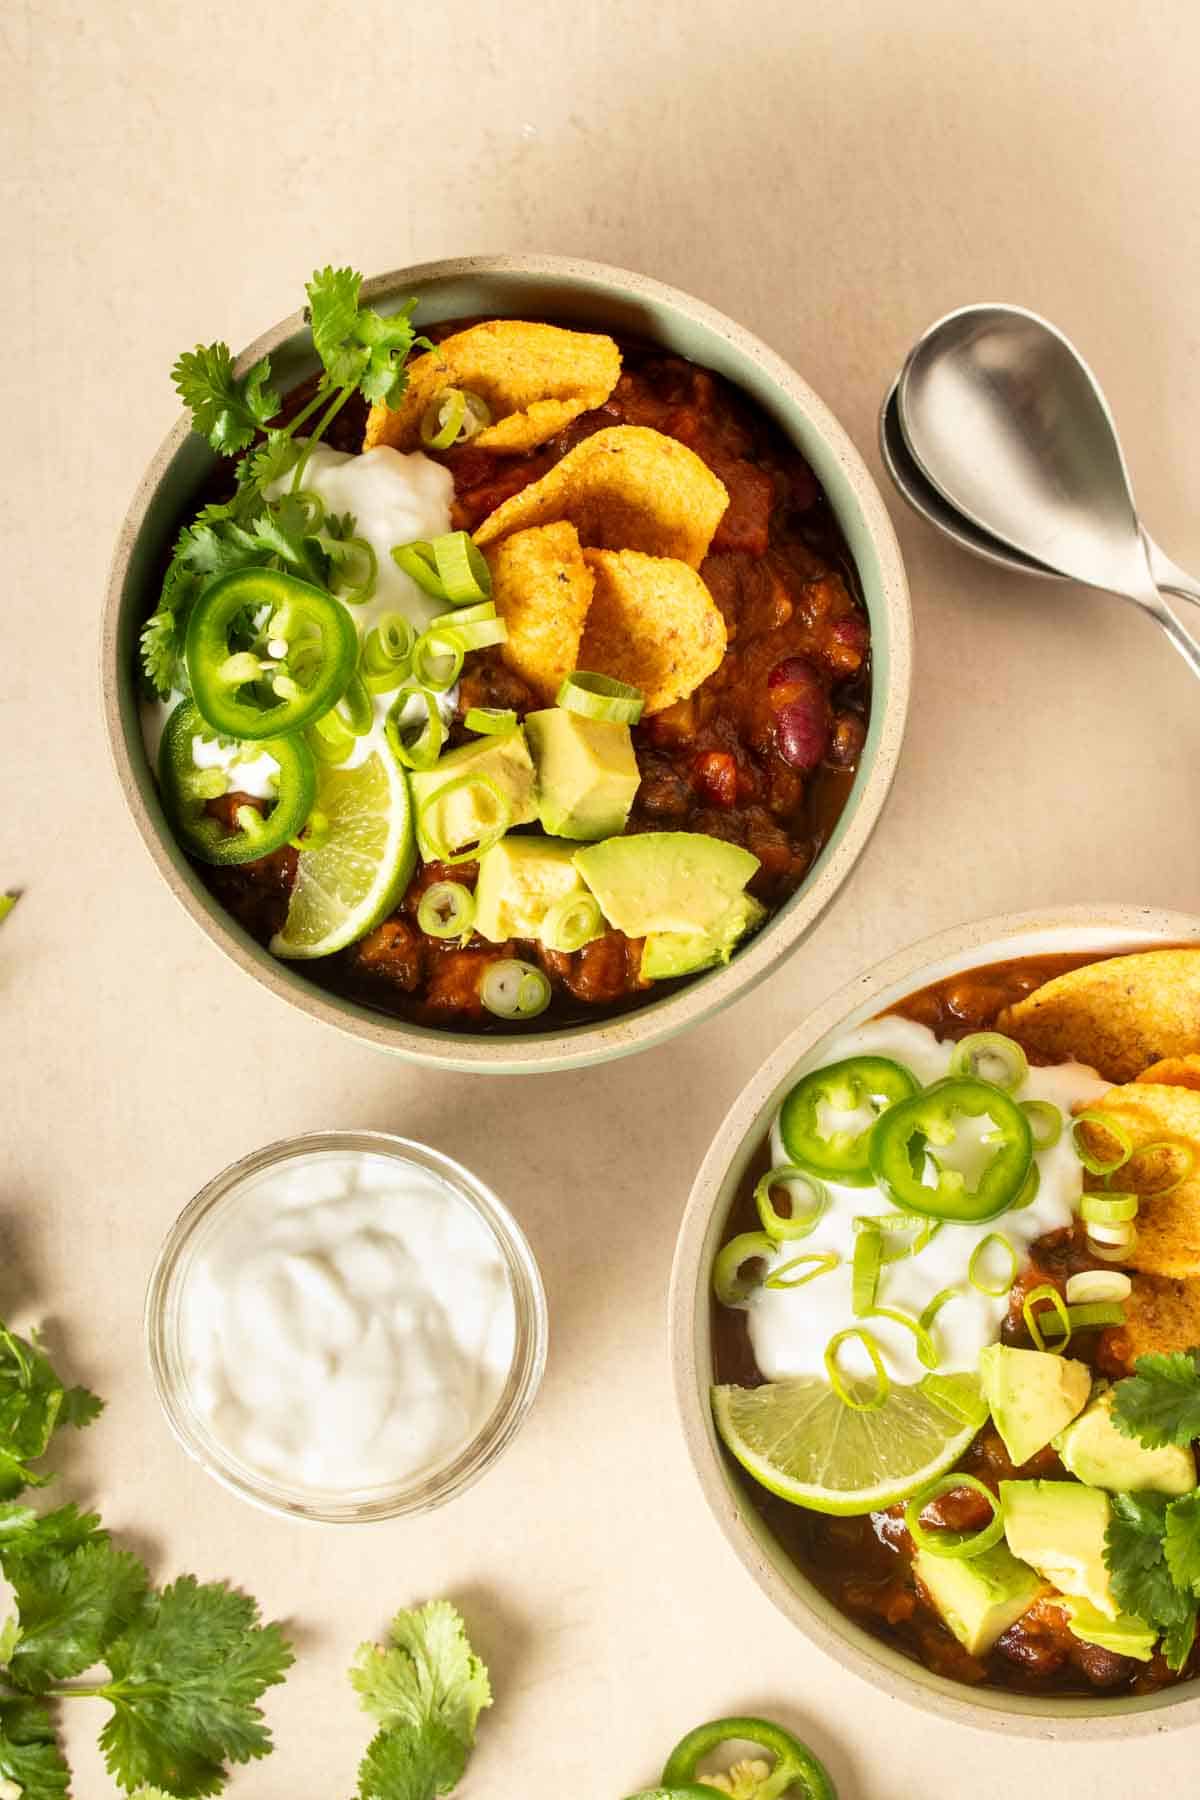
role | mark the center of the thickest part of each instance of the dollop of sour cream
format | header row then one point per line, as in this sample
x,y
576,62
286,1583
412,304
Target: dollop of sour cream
x,y
394,499
347,1323
791,1327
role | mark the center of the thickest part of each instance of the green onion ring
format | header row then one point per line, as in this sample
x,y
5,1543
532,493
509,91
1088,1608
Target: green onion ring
x,y
1178,1147
1114,1253
953,1543
927,1351
868,1256
432,644
797,1224
1097,1284
1045,1123
883,1386
354,709
314,511
1088,1315
356,593
490,721
979,1054
891,1223
1094,1164
462,568
442,419
388,644
415,746
601,697
1046,1292
982,1287
823,1261
571,923
444,852
1109,1209
477,634
330,739
511,989
446,910
417,562
930,1313
467,615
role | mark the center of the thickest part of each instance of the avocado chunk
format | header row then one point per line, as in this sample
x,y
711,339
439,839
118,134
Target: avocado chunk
x,y
1124,1635
669,953
1032,1395
677,881
587,773
520,879
1059,1527
469,813
1094,1450
981,1596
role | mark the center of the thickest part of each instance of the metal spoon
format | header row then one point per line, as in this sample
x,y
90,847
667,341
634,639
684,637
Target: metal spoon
x,y
1008,423
930,505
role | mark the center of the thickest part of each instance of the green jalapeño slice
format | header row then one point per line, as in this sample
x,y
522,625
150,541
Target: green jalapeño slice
x,y
187,790
827,1119
267,654
929,1133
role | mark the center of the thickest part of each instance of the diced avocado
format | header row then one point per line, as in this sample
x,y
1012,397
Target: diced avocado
x,y
1059,1527
520,879
981,1596
586,771
1032,1395
667,953
677,881
1124,1635
1094,1450
468,814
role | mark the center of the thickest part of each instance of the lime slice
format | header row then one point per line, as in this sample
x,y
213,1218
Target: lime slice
x,y
362,865
798,1439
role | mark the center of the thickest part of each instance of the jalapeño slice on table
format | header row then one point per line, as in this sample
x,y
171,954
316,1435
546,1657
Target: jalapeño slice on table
x,y
267,654
796,1770
186,791
827,1119
908,1138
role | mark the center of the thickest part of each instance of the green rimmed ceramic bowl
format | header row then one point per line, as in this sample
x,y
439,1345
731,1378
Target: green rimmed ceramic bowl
x,y
597,298
1096,930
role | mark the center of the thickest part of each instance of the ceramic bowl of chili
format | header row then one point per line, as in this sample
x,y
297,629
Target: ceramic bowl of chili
x,y
965,970
636,311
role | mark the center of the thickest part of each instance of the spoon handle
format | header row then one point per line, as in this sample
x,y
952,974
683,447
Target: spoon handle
x,y
1168,575
1187,646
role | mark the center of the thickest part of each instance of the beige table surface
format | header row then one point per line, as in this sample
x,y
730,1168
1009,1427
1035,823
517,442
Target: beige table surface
x,y
835,177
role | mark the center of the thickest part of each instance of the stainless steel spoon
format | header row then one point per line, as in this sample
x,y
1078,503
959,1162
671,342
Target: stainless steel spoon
x,y
930,505
1008,423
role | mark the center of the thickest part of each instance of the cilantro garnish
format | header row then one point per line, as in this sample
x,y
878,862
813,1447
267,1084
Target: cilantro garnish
x,y
1159,1403
426,1688
227,409
34,1404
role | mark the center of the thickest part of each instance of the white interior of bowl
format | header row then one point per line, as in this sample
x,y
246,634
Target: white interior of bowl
x,y
1100,929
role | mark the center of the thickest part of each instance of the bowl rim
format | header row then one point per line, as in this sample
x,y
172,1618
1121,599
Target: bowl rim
x,y
698,999
1113,927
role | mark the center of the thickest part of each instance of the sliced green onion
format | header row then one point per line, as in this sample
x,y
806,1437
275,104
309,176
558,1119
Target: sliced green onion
x,y
1177,1147
1087,1317
1115,1253
490,721
936,1304
513,990
822,1262
477,634
331,739
431,652
1097,1284
893,1223
993,1290
446,910
388,645
1121,1235
1045,1123
882,1384
415,743
1032,1325
467,615
953,1543
1109,1209
571,923
1095,1164
600,697
1029,1189
868,1257
442,419
990,1056
730,1284
806,1212
927,1351
357,565
417,562
461,568
427,825
314,510
354,709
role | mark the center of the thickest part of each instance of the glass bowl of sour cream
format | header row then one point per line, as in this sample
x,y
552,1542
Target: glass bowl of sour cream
x,y
346,1326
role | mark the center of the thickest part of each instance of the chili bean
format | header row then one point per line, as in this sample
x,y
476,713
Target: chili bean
x,y
846,740
843,647
802,733
715,774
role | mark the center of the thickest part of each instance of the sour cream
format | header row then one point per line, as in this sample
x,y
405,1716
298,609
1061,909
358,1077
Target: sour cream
x,y
790,1328
394,499
347,1323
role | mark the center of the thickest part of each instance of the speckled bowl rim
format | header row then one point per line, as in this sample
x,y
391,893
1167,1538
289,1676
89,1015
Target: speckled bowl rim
x,y
1102,927
887,591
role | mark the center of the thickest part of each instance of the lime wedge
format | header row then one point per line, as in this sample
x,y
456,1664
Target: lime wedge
x,y
798,1439
362,865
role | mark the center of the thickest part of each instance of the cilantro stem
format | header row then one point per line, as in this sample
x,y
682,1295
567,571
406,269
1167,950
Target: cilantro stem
x,y
305,412
315,437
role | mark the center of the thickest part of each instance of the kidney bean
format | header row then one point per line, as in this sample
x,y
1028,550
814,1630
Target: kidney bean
x,y
844,644
793,679
715,774
802,732
846,740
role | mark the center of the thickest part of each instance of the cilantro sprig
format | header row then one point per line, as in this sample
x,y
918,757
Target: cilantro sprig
x,y
426,1689
182,1668
361,351
1159,1403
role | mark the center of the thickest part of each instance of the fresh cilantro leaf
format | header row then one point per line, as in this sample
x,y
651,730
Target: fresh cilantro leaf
x,y
26,1533
1178,1641
270,462
70,1608
32,1399
186,1677
1141,1580
1181,1541
428,1672
80,1408
282,531
162,652
227,409
405,1762
29,1753
1159,1403
359,347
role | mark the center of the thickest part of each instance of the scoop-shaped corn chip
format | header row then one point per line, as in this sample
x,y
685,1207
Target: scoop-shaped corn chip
x,y
653,623
1120,1015
534,378
1174,1071
624,488
1168,1222
542,588
1161,1315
